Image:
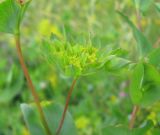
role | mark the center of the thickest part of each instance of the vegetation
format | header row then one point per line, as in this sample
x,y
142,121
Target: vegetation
x,y
79,67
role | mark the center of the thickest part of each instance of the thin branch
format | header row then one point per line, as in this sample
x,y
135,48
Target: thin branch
x,y
30,84
133,116
66,106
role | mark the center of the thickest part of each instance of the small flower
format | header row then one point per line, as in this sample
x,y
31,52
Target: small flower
x,y
82,122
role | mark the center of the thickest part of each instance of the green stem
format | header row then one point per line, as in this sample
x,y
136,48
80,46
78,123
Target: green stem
x,y
66,106
30,84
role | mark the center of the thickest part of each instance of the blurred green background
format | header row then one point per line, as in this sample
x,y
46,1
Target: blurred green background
x,y
98,100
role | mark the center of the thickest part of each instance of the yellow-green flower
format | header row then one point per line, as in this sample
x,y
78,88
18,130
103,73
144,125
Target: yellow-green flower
x,y
74,59
82,122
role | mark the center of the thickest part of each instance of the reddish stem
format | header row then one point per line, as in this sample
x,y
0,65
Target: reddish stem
x,y
135,108
30,84
133,116
66,107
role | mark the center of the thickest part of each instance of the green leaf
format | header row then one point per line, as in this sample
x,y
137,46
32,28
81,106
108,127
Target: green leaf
x,y
154,57
136,83
151,88
143,44
53,114
143,5
14,84
158,6
151,74
150,96
116,63
121,130
155,131
145,85
110,130
11,14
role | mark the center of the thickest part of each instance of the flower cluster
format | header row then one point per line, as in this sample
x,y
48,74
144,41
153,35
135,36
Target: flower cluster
x,y
74,59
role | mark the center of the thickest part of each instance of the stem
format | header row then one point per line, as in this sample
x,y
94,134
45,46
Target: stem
x,y
138,15
135,108
30,84
66,106
133,116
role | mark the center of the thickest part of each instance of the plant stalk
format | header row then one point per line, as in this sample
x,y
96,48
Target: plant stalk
x,y
135,107
66,107
133,117
30,84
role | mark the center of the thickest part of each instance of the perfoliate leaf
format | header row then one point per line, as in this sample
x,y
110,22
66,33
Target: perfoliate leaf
x,y
11,14
143,45
136,83
53,114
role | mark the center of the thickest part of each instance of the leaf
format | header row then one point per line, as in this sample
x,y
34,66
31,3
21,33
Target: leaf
x,y
121,130
53,114
151,88
143,5
155,131
136,83
116,63
145,85
158,6
11,14
14,84
110,130
154,57
150,96
143,44
151,74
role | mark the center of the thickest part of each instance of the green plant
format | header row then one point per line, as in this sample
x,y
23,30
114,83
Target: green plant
x,y
12,13
145,82
75,60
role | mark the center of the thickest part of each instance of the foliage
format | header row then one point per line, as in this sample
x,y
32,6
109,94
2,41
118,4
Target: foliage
x,y
11,15
86,40
53,114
